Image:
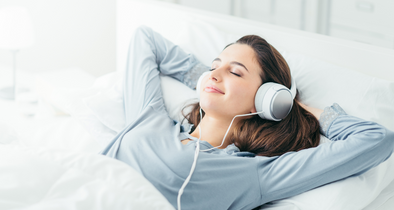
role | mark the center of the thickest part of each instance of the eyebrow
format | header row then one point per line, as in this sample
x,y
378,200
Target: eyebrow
x,y
232,62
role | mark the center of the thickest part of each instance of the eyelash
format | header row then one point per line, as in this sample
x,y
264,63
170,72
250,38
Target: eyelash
x,y
231,73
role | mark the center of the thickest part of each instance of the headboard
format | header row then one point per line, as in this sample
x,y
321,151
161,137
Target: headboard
x,y
166,18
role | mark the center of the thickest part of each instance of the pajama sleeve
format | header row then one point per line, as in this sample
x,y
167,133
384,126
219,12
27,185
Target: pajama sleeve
x,y
357,146
149,55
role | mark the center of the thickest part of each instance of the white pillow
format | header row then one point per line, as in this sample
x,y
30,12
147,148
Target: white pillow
x,y
107,105
321,83
72,101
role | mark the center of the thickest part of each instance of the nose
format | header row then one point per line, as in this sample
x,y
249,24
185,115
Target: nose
x,y
216,75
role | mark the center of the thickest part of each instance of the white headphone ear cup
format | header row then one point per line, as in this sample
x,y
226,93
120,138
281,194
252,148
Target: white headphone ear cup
x,y
274,101
198,87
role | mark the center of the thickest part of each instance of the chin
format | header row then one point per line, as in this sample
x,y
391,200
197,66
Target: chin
x,y
211,106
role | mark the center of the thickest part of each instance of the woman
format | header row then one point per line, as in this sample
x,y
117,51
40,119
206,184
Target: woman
x,y
258,161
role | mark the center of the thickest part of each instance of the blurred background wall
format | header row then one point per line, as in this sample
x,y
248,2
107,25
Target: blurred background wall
x,y
72,33
81,33
366,21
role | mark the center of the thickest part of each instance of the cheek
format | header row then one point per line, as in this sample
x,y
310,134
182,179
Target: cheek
x,y
203,84
243,95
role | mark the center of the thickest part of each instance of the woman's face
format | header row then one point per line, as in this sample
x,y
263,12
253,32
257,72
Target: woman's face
x,y
231,86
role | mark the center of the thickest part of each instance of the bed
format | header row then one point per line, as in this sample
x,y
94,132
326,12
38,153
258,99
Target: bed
x,y
57,165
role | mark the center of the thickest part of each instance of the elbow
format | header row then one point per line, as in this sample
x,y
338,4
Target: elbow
x,y
381,141
387,143
384,143
144,30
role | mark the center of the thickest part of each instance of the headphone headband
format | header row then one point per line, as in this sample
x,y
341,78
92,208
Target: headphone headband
x,y
293,88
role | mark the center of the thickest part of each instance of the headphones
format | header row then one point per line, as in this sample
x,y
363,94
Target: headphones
x,y
273,101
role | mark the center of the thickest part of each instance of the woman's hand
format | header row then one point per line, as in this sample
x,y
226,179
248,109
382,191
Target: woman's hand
x,y
315,111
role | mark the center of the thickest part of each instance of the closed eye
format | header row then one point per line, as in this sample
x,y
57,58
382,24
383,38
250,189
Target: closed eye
x,y
231,72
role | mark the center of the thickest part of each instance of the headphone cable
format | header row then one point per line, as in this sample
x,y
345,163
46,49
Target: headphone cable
x,y
197,151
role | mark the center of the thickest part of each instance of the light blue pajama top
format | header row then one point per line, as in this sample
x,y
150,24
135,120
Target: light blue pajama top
x,y
226,178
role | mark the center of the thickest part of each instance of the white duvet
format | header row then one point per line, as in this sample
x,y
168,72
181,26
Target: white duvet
x,y
41,178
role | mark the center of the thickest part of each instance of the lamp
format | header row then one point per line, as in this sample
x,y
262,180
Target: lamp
x,y
16,32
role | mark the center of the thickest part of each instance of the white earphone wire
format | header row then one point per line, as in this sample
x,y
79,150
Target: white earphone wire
x,y
228,129
197,151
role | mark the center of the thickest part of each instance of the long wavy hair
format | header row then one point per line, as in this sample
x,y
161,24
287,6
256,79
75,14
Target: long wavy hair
x,y
299,130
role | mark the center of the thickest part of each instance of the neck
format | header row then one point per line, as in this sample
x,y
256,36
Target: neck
x,y
213,130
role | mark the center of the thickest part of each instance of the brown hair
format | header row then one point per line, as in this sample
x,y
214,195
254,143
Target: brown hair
x,y
299,130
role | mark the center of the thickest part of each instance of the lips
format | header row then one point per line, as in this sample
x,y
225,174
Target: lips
x,y
213,89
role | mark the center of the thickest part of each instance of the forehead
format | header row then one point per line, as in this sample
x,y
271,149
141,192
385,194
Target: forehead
x,y
241,53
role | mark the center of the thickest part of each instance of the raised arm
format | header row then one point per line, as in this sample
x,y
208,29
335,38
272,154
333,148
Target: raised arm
x,y
150,54
357,146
